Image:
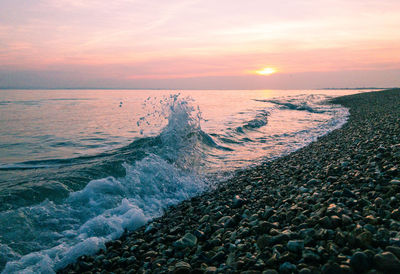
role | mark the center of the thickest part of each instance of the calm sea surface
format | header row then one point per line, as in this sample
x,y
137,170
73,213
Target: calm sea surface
x,y
77,167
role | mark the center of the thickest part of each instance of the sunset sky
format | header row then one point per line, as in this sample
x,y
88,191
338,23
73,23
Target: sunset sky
x,y
193,44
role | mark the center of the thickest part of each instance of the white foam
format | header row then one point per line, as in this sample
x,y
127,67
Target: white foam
x,y
104,209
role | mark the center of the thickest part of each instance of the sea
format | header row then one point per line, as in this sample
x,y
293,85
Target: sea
x,y
80,167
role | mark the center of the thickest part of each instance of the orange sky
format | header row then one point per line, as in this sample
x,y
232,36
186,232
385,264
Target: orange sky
x,y
198,44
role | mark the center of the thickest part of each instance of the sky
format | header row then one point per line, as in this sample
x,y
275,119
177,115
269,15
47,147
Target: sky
x,y
199,44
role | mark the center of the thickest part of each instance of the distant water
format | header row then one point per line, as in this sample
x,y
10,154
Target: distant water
x,y
78,167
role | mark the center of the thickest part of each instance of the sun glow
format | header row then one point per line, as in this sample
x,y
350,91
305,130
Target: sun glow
x,y
266,71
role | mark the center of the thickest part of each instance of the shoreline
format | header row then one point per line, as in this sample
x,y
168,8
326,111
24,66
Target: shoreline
x,y
332,206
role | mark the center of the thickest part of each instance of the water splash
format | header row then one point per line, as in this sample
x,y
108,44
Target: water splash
x,y
55,235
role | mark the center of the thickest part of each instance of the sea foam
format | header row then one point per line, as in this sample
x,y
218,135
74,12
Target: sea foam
x,y
105,208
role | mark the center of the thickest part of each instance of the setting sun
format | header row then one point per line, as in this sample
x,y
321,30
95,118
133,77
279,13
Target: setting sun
x,y
266,71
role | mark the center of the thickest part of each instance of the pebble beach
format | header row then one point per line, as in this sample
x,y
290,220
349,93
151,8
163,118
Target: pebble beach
x,y
330,207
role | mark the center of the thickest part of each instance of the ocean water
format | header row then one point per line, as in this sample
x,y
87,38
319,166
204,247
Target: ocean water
x,y
78,167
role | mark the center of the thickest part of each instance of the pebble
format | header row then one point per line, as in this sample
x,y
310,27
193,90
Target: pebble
x,y
395,182
182,267
388,262
189,240
270,271
237,202
359,262
296,246
287,267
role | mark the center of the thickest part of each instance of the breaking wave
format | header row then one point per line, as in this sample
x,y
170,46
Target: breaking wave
x,y
52,234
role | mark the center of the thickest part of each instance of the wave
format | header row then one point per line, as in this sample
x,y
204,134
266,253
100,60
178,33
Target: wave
x,y
17,166
39,102
310,103
300,106
259,121
160,171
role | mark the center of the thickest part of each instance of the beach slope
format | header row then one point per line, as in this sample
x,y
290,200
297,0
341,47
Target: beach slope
x,y
330,207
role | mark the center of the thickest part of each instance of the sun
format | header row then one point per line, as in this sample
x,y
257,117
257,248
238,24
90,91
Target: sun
x,y
266,71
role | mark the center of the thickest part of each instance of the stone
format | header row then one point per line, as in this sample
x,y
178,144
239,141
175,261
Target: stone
x,y
263,242
395,214
131,260
278,239
345,164
270,271
218,257
395,182
346,220
330,268
210,270
305,271
189,240
348,193
303,189
295,246
393,171
359,262
181,267
199,234
395,250
387,262
268,212
325,222
310,256
313,182
287,267
345,269
365,239
85,265
335,221
224,219
378,201
237,202
150,228
204,219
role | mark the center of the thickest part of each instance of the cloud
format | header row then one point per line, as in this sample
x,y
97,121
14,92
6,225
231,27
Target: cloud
x,y
180,39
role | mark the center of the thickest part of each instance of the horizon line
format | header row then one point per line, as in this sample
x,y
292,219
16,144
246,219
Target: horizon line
x,y
119,88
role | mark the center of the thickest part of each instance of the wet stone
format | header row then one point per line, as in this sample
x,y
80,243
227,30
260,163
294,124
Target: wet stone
x,y
237,202
395,182
270,271
359,262
189,240
296,246
348,193
387,261
395,250
305,271
263,242
310,256
287,267
313,182
330,268
181,267
279,239
396,214
199,234
210,270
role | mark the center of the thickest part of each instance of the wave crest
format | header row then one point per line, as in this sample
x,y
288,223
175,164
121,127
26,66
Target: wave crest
x,y
163,173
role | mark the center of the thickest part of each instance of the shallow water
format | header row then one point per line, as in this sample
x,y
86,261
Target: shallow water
x,y
78,167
